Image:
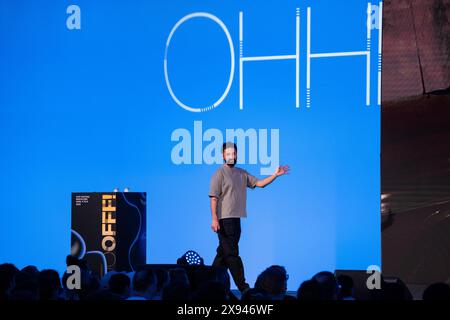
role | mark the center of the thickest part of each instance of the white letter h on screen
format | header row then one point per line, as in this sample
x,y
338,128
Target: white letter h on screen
x,y
309,57
243,59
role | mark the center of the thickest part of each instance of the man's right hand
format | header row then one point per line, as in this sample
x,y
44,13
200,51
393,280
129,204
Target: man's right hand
x,y
215,225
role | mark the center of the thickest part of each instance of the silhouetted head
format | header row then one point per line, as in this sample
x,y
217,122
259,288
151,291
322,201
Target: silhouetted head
x,y
144,283
162,279
7,273
33,270
74,261
119,283
309,290
437,291
328,285
179,275
273,281
49,284
346,286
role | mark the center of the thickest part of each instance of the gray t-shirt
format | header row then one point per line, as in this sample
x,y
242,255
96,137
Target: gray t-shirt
x,y
229,186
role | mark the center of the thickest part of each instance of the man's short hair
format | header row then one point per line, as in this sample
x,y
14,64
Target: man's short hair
x,y
227,145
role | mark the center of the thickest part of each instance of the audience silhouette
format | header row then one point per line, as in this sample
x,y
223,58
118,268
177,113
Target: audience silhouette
x,y
176,285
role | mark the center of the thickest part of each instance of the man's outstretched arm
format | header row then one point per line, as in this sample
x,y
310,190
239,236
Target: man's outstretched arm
x,y
281,170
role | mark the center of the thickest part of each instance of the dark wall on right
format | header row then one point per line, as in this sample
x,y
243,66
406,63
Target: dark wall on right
x,y
416,47
415,141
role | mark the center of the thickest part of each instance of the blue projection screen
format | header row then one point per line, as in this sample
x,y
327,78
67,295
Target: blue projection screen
x,y
96,95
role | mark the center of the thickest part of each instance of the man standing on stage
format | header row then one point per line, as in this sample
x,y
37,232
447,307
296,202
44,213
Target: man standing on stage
x,y
228,197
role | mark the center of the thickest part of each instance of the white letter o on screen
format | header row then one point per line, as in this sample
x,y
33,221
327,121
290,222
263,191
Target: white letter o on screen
x,y
230,42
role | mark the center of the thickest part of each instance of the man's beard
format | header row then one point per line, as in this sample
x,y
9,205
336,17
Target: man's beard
x,y
231,164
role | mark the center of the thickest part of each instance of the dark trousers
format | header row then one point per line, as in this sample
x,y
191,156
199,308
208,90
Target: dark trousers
x,y
228,250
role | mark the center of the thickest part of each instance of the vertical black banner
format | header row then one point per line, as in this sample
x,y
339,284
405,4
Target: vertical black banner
x,y
109,230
